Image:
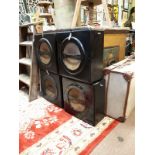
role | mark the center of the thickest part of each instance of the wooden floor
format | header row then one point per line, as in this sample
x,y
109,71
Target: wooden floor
x,y
121,141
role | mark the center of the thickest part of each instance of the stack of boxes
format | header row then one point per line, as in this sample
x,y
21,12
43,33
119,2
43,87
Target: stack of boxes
x,y
71,69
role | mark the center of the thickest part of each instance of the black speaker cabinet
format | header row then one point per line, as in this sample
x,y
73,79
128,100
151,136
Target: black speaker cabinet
x,y
51,88
84,101
81,54
46,53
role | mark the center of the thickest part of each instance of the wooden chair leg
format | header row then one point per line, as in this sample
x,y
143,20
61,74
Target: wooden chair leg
x,y
77,9
76,13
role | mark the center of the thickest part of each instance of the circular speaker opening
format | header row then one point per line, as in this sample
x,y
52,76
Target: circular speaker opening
x,y
71,56
44,53
50,88
76,99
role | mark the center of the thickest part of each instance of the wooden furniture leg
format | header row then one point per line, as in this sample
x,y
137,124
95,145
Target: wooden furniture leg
x,y
76,13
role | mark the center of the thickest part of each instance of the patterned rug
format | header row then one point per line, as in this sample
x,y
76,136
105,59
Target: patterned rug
x,y
45,129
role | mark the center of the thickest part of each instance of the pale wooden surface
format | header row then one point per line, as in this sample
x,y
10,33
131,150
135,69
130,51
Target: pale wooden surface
x,y
44,15
116,40
25,79
25,61
34,73
76,13
26,43
44,3
30,80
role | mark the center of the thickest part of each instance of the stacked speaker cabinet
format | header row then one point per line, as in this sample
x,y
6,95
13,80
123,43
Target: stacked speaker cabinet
x,y
80,60
83,100
46,53
45,48
80,54
51,88
71,68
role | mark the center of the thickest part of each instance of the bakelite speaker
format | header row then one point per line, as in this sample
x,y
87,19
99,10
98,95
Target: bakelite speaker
x,y
51,88
46,53
84,101
80,53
